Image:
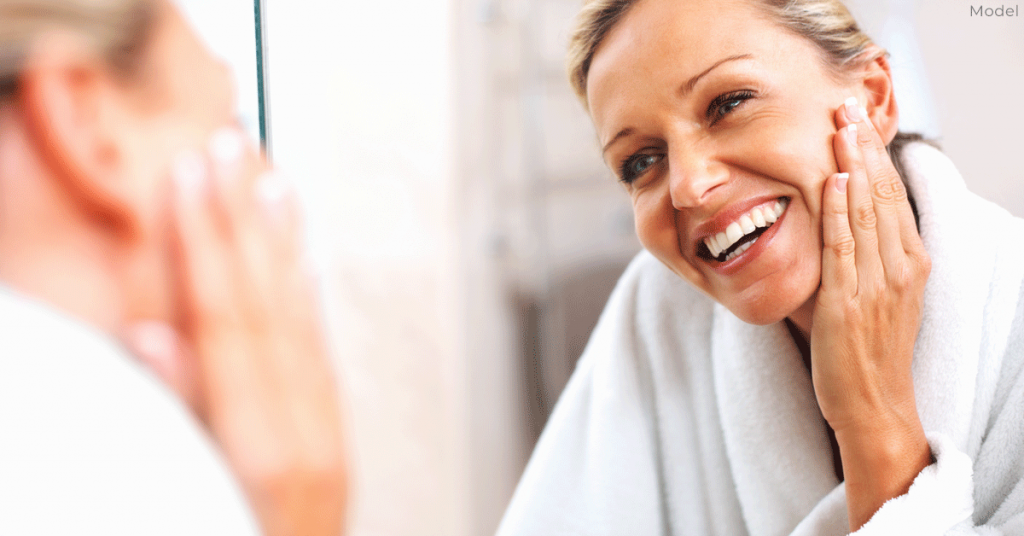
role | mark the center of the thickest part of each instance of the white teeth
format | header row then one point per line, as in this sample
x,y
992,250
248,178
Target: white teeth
x,y
747,224
716,248
763,216
723,242
734,233
758,218
740,250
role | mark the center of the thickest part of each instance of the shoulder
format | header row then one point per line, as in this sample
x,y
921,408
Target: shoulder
x,y
92,440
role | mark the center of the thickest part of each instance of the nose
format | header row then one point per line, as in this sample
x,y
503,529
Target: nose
x,y
693,174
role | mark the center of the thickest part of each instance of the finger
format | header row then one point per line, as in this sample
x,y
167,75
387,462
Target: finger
x,y
236,168
259,210
206,279
281,216
862,217
892,208
838,260
236,165
203,279
260,213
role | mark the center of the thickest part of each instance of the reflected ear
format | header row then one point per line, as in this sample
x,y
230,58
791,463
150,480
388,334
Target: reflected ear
x,y
75,113
880,99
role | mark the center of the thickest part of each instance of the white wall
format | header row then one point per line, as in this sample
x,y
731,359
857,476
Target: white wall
x,y
958,79
361,112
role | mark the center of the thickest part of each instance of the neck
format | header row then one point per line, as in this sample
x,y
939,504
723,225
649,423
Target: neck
x,y
803,318
799,324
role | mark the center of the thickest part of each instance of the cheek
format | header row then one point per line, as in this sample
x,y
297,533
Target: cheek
x,y
658,231
655,223
149,160
218,107
802,158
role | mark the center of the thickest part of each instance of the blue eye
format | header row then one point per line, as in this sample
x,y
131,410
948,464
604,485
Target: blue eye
x,y
637,165
725,104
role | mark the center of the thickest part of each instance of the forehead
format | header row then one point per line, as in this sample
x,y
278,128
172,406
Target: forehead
x,y
659,44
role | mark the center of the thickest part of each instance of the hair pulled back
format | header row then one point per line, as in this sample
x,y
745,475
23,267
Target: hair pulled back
x,y
116,29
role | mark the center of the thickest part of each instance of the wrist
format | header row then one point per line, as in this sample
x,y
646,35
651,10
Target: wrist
x,y
880,462
883,446
876,409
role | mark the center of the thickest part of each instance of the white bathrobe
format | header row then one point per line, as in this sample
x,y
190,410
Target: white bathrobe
x,y
91,443
680,419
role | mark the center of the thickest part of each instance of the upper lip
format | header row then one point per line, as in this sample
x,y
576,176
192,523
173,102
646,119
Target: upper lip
x,y
721,219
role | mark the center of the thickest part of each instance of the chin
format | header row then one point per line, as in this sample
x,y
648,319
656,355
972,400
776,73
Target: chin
x,y
770,307
760,317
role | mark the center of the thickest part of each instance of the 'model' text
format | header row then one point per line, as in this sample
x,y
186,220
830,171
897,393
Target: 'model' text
x,y
1001,11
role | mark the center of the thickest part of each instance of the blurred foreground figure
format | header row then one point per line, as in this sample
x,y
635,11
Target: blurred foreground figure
x,y
130,215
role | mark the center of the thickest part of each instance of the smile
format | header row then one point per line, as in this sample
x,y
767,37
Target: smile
x,y
741,234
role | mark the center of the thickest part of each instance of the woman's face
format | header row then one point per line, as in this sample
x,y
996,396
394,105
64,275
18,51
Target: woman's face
x,y
716,119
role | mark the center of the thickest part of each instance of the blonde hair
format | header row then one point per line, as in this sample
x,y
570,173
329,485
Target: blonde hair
x,y
117,29
826,23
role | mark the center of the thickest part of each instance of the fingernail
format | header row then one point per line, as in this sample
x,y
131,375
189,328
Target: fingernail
x,y
853,109
851,133
189,173
226,146
841,181
273,191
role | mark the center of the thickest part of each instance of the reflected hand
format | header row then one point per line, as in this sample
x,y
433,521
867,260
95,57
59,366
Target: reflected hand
x,y
251,359
866,319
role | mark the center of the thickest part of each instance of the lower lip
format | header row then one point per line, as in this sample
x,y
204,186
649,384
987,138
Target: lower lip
x,y
732,266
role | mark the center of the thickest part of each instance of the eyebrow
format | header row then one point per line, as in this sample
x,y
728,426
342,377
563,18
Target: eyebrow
x,y
691,83
686,88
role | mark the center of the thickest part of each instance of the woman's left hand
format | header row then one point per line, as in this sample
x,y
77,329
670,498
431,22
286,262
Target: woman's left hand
x,y
866,319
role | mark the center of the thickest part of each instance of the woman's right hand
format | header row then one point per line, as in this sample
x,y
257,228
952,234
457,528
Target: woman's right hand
x,y
248,352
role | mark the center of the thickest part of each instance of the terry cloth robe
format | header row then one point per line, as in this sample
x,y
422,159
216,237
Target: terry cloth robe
x,y
680,419
91,443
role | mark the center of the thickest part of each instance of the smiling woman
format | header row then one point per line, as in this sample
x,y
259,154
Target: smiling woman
x,y
762,101
806,380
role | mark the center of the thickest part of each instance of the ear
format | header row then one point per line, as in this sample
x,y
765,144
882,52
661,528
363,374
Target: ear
x,y
876,79
75,112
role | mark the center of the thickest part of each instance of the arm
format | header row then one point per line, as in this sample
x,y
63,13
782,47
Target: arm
x,y
866,319
981,494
